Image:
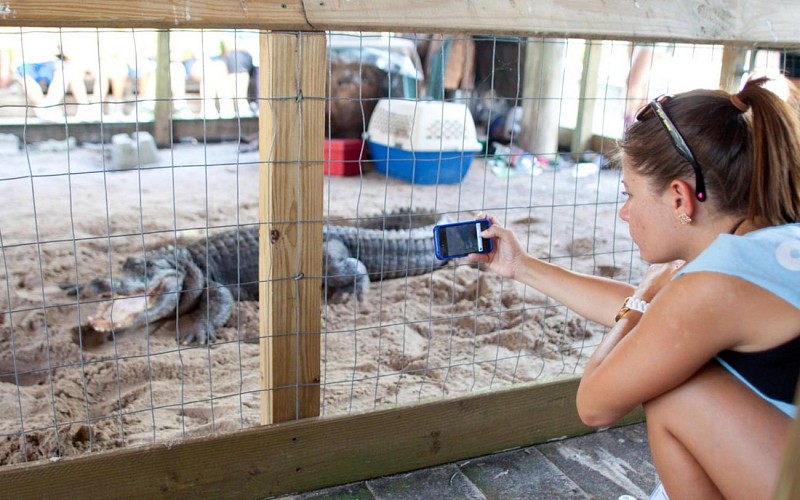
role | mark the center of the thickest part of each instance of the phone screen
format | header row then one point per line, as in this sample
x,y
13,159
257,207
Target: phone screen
x,y
460,239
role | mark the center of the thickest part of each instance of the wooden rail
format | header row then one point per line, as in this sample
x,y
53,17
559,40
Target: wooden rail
x,y
311,453
738,22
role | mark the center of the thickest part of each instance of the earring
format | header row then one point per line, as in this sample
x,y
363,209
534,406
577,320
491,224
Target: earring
x,y
685,219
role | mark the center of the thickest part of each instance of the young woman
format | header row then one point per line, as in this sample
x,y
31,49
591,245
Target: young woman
x,y
709,341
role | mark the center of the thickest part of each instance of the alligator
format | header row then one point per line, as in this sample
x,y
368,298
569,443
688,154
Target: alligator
x,y
199,282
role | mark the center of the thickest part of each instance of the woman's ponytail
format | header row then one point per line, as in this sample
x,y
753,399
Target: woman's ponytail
x,y
775,131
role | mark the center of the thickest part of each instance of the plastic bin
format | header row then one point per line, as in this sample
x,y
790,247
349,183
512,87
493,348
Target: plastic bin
x,y
423,142
344,156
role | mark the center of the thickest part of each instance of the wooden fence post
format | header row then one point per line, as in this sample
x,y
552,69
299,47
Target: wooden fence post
x,y
162,117
543,81
789,483
291,134
582,136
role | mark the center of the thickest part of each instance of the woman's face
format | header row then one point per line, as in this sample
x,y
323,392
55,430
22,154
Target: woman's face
x,y
650,218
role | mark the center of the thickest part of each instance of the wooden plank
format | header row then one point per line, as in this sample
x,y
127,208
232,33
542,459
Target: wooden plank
x,y
274,14
224,129
733,63
789,482
607,464
162,117
313,453
722,21
520,474
582,135
541,106
769,22
291,134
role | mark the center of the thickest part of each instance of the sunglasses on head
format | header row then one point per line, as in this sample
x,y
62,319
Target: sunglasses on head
x,y
655,108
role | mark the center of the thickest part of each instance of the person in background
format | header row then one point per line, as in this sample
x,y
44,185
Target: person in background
x,y
89,64
46,81
709,340
116,71
641,57
210,76
191,68
240,69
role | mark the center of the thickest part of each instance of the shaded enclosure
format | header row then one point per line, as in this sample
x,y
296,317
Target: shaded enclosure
x,y
423,369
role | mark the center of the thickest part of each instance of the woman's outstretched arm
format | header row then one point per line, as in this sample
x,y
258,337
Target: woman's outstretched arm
x,y
593,297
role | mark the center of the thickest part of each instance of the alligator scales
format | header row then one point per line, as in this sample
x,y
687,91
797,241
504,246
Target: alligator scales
x,y
200,281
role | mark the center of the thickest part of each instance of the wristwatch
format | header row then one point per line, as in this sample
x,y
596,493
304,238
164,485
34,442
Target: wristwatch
x,y
631,304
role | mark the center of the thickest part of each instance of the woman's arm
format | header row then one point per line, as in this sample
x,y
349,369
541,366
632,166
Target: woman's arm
x,y
593,297
687,324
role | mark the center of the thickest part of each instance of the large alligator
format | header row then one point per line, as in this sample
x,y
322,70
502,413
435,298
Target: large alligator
x,y
199,282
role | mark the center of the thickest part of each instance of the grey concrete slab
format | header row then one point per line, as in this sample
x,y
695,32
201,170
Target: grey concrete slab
x,y
352,491
520,474
442,483
607,464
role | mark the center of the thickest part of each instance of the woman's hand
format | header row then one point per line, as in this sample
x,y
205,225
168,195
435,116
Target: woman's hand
x,y
656,277
594,297
507,255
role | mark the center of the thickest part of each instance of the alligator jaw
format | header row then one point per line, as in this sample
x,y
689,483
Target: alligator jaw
x,y
120,312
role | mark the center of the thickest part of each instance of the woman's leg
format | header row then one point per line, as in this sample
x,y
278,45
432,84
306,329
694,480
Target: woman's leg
x,y
638,81
712,437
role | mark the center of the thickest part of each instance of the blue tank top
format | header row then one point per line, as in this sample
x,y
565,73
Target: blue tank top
x,y
769,258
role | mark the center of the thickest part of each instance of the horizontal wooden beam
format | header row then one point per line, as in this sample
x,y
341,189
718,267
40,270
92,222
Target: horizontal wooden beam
x,y
772,22
224,129
313,453
735,22
268,14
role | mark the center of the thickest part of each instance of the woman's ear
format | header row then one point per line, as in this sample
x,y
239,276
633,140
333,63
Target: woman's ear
x,y
683,200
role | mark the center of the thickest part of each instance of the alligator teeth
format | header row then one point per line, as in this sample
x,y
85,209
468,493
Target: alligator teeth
x,y
100,325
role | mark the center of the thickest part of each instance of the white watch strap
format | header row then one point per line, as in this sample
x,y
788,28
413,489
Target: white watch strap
x,y
635,304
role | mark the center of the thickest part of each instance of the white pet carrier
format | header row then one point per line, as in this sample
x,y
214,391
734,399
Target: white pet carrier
x,y
426,142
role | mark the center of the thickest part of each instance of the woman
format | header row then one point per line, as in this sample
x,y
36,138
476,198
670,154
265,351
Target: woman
x,y
709,342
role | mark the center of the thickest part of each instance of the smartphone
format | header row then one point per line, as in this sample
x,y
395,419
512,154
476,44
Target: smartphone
x,y
459,239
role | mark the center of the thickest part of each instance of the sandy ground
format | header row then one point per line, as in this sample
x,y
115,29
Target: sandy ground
x,y
458,330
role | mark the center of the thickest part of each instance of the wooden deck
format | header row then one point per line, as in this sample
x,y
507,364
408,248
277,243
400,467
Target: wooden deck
x,y
609,464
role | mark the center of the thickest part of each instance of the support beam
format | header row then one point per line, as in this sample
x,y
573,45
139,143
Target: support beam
x,y
734,60
267,14
313,453
789,482
768,22
291,138
541,104
162,117
722,21
581,138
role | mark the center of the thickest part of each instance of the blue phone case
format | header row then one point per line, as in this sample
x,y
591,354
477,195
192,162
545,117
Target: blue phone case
x,y
459,239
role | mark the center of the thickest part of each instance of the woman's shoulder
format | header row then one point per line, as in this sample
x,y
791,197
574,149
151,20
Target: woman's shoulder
x,y
768,257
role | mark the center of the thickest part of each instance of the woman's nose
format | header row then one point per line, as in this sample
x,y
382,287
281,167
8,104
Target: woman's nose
x,y
623,212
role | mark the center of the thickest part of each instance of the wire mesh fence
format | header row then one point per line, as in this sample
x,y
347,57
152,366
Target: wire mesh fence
x,y
126,287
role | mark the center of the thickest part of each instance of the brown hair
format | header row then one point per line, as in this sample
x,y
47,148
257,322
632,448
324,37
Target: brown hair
x,y
750,159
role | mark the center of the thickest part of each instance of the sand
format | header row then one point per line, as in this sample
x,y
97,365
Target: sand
x,y
450,333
